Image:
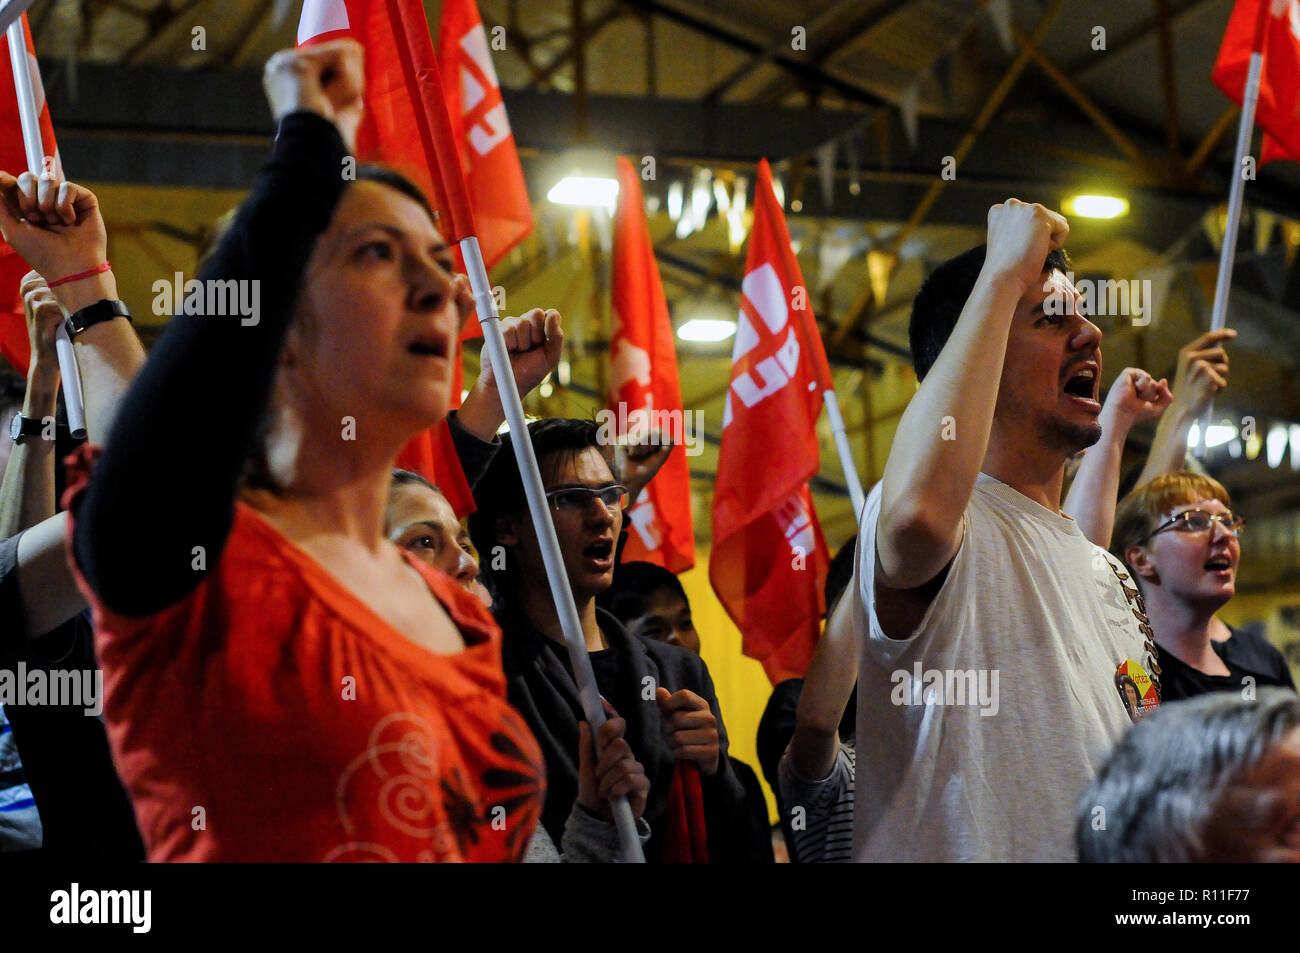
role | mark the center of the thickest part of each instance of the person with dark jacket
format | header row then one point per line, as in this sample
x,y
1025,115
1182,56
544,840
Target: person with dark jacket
x,y
664,692
650,601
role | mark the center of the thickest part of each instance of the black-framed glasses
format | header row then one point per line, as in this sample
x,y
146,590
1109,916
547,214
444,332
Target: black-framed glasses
x,y
1201,521
578,499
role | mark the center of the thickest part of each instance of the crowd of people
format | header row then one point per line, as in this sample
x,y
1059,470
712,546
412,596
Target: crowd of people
x,y
305,655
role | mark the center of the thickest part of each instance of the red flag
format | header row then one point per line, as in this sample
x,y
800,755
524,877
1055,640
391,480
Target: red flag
x,y
644,393
769,559
1273,150
483,137
406,126
1272,26
13,159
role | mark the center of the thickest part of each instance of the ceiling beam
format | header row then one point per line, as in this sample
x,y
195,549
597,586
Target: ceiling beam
x,y
851,319
811,75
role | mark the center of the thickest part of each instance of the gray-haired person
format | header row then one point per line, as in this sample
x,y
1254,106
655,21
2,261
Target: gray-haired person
x,y
1211,779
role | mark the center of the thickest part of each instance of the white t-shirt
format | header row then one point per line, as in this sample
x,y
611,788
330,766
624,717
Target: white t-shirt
x,y
977,735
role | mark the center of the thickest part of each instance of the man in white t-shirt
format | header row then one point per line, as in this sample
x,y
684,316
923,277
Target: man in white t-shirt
x,y
1001,651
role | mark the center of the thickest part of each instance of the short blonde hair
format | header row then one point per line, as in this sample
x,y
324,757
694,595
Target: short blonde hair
x,y
1149,505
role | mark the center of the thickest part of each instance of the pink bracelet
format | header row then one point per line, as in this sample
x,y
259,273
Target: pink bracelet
x,y
99,270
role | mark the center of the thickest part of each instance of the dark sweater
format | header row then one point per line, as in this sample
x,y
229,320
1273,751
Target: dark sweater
x,y
1246,655
172,467
83,807
540,685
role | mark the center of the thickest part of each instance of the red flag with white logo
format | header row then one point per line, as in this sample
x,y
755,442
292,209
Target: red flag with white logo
x,y
13,159
645,396
486,145
1273,27
769,560
406,127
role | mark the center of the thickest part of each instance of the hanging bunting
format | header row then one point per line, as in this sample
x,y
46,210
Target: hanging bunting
x,y
851,159
1264,222
720,197
909,105
833,253
826,173
880,268
943,76
1291,236
1214,224
676,200
1162,281
736,228
1000,14
882,129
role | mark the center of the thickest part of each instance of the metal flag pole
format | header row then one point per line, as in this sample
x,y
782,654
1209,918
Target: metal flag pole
x,y
494,343
849,468
31,122
1228,252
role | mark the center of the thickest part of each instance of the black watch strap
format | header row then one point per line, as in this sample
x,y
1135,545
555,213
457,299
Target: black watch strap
x,y
100,311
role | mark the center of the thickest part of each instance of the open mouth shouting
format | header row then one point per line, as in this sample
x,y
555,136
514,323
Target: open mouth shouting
x,y
1083,386
600,554
1220,566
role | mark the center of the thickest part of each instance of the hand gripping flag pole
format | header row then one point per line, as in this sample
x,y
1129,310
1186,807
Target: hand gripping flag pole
x,y
36,165
494,343
1228,252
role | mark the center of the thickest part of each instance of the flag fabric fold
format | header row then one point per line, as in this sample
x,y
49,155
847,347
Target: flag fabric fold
x,y
769,560
489,160
1272,27
13,159
645,394
406,127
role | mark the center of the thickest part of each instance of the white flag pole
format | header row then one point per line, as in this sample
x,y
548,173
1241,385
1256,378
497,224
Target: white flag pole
x,y
31,122
1228,253
847,465
494,343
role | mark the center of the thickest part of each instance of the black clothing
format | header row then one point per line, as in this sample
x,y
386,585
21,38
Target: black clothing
x,y
775,729
172,467
475,455
1248,659
1254,653
759,829
539,683
85,811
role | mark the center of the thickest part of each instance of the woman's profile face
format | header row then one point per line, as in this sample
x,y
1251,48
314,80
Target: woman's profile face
x,y
374,337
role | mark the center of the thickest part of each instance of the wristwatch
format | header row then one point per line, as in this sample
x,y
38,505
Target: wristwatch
x,y
93,314
23,428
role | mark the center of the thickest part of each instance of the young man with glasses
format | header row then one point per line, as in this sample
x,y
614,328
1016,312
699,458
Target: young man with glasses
x,y
1180,537
664,692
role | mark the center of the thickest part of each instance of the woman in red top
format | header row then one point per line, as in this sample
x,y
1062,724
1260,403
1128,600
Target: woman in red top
x,y
281,682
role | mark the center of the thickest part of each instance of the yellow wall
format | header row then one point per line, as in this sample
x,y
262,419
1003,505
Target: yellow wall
x,y
740,681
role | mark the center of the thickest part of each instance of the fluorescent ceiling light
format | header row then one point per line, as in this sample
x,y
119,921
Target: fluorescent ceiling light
x,y
1096,206
706,330
586,191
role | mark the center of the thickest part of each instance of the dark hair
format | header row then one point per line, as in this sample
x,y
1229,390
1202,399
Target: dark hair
x,y
500,492
395,180
406,477
634,583
942,296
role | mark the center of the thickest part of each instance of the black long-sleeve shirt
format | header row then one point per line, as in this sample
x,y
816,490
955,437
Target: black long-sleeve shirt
x,y
169,476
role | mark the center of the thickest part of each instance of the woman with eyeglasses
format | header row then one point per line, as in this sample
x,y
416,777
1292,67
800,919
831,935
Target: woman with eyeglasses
x,y
1179,536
